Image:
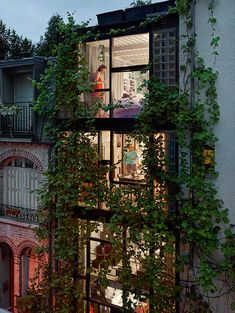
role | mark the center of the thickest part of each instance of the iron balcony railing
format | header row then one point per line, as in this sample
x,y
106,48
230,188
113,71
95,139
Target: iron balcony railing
x,y
16,118
18,213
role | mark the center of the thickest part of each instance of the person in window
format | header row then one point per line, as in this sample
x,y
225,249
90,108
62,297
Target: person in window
x,y
130,160
98,80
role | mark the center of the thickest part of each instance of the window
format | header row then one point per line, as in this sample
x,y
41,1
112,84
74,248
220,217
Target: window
x,y
129,60
99,256
130,55
20,182
29,262
130,50
164,56
128,93
120,87
128,159
97,54
121,164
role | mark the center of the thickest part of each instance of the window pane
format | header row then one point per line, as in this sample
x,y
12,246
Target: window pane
x,y
97,54
95,104
18,162
130,50
29,164
127,159
127,93
104,145
164,51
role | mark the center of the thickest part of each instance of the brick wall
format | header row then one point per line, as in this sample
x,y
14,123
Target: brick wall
x,y
20,235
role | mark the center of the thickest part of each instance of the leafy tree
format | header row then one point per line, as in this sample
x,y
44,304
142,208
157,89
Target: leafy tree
x,y
12,45
51,38
138,3
4,43
27,47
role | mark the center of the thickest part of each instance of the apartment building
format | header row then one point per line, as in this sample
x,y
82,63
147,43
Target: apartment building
x,y
24,157
117,62
119,65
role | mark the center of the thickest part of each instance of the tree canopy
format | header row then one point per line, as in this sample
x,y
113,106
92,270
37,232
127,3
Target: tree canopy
x,y
138,3
12,45
51,38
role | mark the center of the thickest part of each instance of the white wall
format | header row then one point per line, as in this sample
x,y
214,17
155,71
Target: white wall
x,y
225,65
225,129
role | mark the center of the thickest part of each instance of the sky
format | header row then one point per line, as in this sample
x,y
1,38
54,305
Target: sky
x,y
30,17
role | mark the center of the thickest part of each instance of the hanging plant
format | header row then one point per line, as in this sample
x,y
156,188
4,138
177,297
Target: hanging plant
x,y
9,110
101,54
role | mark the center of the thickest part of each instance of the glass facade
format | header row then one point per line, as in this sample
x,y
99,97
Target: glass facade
x,y
119,66
130,50
121,162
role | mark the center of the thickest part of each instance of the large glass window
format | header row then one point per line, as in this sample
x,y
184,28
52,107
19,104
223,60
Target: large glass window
x,y
128,159
120,164
128,93
99,250
130,56
98,57
130,50
117,68
97,54
20,182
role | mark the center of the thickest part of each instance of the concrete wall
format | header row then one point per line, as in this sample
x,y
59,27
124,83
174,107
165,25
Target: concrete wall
x,y
225,65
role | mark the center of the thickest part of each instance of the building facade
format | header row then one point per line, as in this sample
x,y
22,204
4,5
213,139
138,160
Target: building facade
x,y
224,64
24,157
119,65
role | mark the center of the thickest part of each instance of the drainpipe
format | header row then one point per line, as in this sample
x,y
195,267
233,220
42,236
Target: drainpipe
x,y
192,101
192,88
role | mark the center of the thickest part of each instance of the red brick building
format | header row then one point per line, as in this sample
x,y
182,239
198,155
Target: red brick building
x,y
24,156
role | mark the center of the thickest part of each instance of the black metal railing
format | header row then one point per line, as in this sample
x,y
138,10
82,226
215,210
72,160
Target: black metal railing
x,y
18,213
16,118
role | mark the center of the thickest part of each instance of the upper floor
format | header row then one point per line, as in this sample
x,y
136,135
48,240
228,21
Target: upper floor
x,y
17,94
119,64
133,45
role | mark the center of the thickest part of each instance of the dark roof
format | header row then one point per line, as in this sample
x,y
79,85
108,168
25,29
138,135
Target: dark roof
x,y
22,62
134,14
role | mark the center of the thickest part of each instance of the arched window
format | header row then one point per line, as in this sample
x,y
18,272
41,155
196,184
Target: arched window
x,y
28,264
20,181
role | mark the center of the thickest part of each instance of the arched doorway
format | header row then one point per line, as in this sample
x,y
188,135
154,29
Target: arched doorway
x,y
28,265
6,276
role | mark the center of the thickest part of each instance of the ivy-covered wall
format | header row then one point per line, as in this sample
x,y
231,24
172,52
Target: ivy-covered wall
x,y
199,223
223,63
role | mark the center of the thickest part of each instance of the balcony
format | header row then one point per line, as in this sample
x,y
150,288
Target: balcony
x,y
19,214
16,119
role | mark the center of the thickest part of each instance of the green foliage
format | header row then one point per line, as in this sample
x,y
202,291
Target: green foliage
x,y
4,44
12,45
52,37
139,3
